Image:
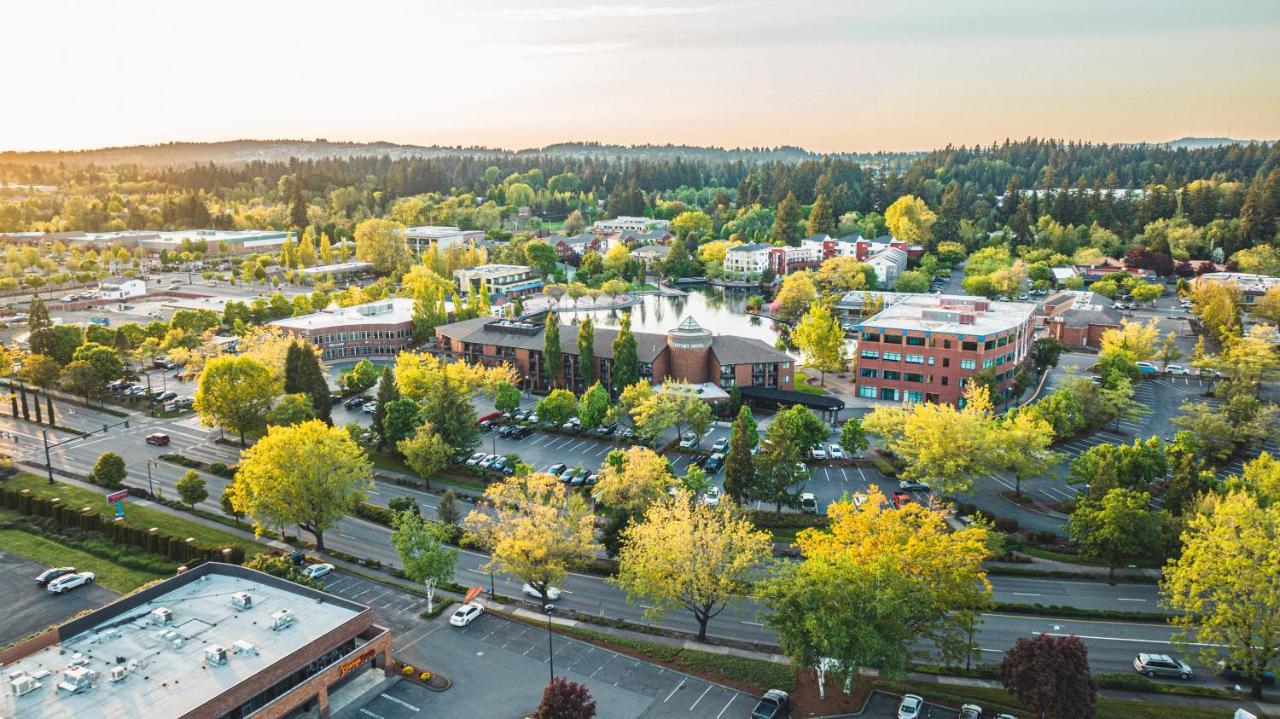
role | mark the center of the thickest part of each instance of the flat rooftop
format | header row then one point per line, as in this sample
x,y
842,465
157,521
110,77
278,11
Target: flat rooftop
x,y
167,673
944,313
336,268
1245,281
492,269
382,312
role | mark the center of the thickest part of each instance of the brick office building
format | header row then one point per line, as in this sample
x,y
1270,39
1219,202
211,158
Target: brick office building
x,y
383,328
688,352
923,348
217,641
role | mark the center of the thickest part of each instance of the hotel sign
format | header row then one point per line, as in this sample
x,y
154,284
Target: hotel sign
x,y
346,667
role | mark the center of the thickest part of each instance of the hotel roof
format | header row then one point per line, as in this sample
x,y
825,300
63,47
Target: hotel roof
x,y
383,312
959,314
167,671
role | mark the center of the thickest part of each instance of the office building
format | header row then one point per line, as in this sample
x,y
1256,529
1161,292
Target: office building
x,y
628,224
1251,286
423,238
219,640
504,280
383,328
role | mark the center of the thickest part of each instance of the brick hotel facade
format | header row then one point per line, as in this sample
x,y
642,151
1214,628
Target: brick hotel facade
x,y
923,348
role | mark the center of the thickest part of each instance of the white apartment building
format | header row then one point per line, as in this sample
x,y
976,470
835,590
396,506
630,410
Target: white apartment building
x,y
422,238
747,259
628,224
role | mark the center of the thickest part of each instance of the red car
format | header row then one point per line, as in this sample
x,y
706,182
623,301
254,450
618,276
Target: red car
x,y
488,420
158,439
901,499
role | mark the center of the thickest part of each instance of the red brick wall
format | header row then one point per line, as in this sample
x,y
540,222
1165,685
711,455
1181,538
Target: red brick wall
x,y
689,364
317,687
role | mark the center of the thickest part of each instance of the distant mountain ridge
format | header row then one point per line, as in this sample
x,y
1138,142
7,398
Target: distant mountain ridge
x,y
1198,143
235,152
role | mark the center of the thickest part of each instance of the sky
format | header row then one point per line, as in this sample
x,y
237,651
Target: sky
x,y
828,75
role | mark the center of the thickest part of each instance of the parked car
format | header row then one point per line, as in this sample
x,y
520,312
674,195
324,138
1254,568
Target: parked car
x,y
1147,368
818,452
714,463
567,475
835,451
1161,665
970,711
521,415
808,503
1177,369
901,499
573,425
521,433
712,497
316,571
911,707
555,469
353,402
166,396
604,430
909,484
48,575
775,704
67,582
466,614
369,407
720,445
475,459
159,439
487,462
688,441
530,591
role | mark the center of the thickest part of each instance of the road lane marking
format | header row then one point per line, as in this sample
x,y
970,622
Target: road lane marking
x,y
1025,594
401,702
1129,599
754,624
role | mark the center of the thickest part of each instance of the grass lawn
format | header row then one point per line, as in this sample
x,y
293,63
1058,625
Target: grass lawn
x,y
391,463
802,384
1080,558
138,516
997,700
643,287
785,535
45,551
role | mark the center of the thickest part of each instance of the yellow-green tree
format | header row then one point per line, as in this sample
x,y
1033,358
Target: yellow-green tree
x,y
1249,360
1217,305
795,296
426,452
308,474
685,554
381,242
1023,441
630,481
875,583
821,340
235,394
1139,341
1267,307
910,219
1223,587
945,447
536,530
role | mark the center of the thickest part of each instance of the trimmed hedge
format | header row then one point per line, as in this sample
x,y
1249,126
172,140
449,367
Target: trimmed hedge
x,y
1137,683
772,520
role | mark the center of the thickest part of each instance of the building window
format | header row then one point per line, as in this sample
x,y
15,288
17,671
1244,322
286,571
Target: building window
x,y
891,374
870,354
989,345
946,344
870,336
890,394
726,375
914,377
944,381
946,361
914,396
915,341
892,357
987,363
1002,341
969,346
869,372
866,392
915,359
893,339
930,360
968,364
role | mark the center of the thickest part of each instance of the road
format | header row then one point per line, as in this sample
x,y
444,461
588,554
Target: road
x,y
1112,644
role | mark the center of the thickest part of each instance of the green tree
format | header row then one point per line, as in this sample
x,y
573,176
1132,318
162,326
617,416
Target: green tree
x,y
423,555
821,219
309,474
447,406
388,392
361,377
426,453
947,227
557,407
290,409
1118,529
235,394
739,465
786,223
910,219
852,438
912,281
302,374
593,406
821,339
402,420
228,506
382,243
626,366
1222,589
587,352
449,510
82,378
506,397
552,354
108,471
191,488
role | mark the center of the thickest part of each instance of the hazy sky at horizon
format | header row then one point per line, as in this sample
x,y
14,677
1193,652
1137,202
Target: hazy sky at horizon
x,y
830,76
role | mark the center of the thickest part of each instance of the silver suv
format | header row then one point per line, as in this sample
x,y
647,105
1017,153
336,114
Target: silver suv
x,y
1161,665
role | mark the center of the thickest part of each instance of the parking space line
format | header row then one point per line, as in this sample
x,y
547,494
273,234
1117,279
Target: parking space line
x,y
703,694
726,705
369,713
401,702
673,691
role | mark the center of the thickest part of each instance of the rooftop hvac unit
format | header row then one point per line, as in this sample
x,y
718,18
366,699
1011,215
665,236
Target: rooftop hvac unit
x,y
118,673
243,647
241,601
77,680
215,655
162,616
281,619
16,674
23,685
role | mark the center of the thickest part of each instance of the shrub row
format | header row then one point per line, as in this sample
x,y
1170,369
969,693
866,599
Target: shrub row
x,y
119,532
183,460
1136,683
223,470
765,519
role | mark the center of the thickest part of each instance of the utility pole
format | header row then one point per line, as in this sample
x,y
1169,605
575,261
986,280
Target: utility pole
x,y
48,461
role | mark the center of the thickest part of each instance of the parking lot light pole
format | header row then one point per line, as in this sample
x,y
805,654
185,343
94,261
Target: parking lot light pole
x,y
551,650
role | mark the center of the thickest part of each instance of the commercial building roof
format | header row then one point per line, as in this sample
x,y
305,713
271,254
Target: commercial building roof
x,y
753,247
1246,282
383,312
959,314
159,640
340,268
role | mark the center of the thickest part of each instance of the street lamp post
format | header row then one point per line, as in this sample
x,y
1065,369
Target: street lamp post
x,y
151,488
551,650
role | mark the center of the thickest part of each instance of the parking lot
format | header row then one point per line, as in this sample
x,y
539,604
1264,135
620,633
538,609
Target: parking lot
x,y
395,609
29,608
885,706
494,646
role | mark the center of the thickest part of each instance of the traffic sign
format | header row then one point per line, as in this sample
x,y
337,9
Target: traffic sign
x,y
117,496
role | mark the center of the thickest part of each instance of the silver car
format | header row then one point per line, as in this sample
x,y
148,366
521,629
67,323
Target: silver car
x,y
1161,665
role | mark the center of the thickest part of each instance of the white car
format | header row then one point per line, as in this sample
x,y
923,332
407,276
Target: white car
x,y
818,452
907,484
466,614
911,707
712,497
476,458
835,451
67,582
553,593
1177,369
316,571
970,711
689,441
369,407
